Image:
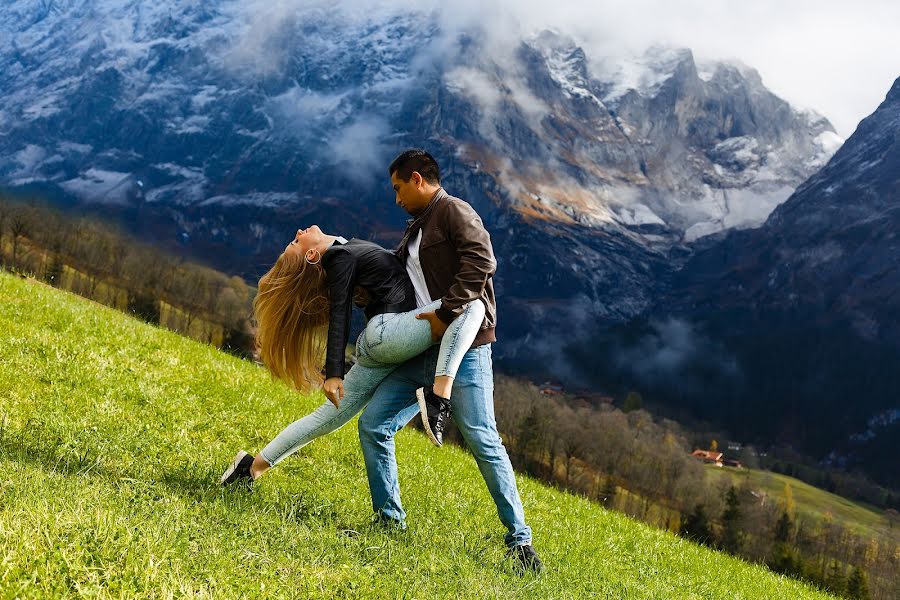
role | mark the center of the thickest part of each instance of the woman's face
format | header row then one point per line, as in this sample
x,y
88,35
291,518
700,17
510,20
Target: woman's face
x,y
305,240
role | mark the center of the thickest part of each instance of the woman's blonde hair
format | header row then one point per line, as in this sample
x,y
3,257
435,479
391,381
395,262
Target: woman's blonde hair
x,y
291,309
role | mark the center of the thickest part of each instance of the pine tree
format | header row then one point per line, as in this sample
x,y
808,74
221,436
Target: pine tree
x,y
857,586
785,558
52,275
783,528
731,534
696,526
633,401
608,493
835,580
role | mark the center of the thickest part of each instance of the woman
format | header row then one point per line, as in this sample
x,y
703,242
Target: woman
x,y
303,307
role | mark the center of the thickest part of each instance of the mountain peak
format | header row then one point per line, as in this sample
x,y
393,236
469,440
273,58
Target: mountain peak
x,y
893,94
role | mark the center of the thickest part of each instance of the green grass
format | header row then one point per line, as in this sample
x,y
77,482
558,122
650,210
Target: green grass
x,y
114,433
814,503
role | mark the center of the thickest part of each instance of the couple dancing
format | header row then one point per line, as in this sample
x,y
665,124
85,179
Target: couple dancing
x,y
435,287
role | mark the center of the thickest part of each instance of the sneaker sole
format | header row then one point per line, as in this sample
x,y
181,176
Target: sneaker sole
x,y
234,465
423,410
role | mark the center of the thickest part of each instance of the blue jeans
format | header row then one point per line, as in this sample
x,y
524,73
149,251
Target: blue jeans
x,y
393,405
388,340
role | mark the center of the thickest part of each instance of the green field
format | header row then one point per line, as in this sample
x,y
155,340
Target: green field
x,y
814,503
113,434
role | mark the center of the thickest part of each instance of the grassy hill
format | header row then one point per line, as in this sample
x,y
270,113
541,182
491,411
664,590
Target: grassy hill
x,y
113,434
815,503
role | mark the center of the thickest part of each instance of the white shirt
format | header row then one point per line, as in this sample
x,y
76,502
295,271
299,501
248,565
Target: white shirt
x,y
414,270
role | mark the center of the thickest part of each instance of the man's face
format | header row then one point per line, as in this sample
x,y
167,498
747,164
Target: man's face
x,y
304,240
410,196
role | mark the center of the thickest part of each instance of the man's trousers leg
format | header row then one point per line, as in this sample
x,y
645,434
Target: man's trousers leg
x,y
473,412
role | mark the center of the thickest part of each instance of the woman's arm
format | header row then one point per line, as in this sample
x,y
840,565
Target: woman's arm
x,y
340,270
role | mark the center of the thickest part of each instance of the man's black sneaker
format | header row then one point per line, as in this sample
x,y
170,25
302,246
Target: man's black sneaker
x,y
239,469
526,559
435,414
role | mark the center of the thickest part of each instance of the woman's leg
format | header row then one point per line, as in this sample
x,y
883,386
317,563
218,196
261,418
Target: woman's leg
x,y
456,342
388,341
394,338
359,385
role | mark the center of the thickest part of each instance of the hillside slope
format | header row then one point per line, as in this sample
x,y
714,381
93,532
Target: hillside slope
x,y
112,435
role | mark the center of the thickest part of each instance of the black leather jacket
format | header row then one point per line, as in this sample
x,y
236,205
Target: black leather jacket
x,y
379,272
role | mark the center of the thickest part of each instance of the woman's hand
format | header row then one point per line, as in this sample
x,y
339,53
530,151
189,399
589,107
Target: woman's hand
x,y
334,390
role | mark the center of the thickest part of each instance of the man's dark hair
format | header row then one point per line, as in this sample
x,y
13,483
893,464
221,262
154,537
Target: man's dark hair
x,y
416,160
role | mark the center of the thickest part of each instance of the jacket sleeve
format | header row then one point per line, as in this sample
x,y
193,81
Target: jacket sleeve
x,y
476,259
340,272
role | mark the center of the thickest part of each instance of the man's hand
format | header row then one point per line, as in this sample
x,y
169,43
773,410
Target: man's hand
x,y
438,327
334,390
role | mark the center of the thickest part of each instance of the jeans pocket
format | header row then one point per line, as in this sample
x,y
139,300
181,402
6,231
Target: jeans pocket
x,y
374,331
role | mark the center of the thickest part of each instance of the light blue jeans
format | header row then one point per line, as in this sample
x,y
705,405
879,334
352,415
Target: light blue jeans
x,y
388,340
472,405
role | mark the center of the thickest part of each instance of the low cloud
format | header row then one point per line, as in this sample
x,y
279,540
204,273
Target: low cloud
x,y
360,147
809,52
673,349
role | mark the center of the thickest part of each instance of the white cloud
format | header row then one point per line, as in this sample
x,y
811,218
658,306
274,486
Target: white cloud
x,y
361,144
836,57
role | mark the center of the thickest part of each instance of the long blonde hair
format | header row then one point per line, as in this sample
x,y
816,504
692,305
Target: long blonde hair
x,y
291,309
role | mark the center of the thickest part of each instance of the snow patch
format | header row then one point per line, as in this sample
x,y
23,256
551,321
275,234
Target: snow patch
x,y
66,146
194,124
643,74
29,158
42,108
207,94
99,185
261,199
637,214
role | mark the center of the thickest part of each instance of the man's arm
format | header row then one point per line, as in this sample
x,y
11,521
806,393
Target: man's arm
x,y
476,260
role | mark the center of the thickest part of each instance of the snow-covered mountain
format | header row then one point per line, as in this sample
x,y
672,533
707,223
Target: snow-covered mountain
x,y
224,125
805,312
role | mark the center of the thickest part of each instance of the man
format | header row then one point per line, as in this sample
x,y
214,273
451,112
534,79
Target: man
x,y
448,255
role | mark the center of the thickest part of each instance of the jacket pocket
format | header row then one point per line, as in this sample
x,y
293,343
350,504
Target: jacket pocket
x,y
433,239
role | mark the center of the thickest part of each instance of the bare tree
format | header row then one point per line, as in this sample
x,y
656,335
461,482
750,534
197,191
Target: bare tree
x,y
20,226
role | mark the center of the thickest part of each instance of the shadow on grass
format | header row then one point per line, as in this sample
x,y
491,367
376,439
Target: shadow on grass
x,y
37,445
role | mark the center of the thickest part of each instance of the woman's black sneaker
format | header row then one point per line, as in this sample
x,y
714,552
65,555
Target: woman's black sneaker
x,y
435,414
526,558
239,469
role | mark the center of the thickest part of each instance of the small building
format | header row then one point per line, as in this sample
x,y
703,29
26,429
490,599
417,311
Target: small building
x,y
731,462
708,456
595,398
549,388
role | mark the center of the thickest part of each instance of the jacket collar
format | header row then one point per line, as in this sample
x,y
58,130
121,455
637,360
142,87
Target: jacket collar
x,y
438,195
414,225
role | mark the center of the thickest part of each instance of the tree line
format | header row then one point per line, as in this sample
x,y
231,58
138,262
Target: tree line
x,y
630,461
97,260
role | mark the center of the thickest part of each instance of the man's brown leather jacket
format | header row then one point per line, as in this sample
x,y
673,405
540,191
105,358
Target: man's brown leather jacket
x,y
457,259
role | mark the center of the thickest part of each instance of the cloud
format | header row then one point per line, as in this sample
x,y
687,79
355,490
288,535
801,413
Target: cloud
x,y
836,57
361,146
674,349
